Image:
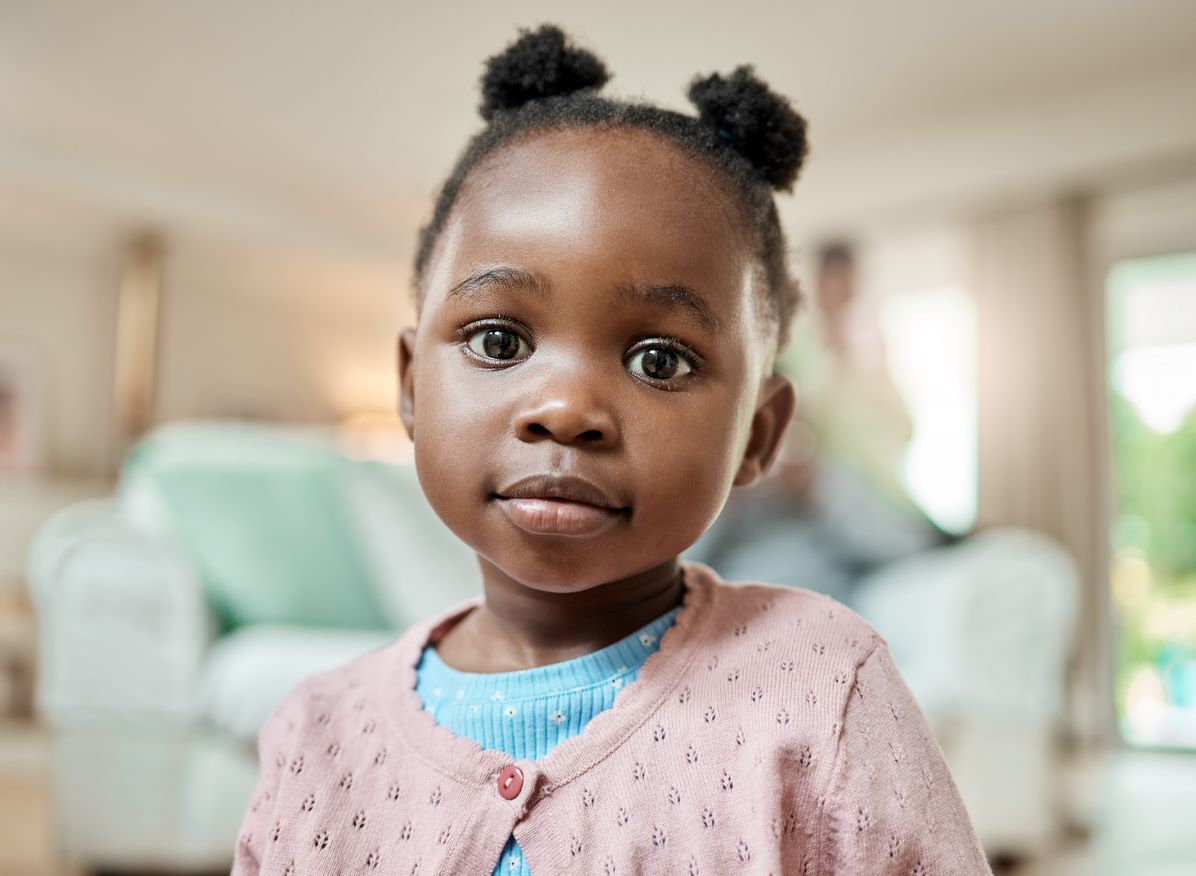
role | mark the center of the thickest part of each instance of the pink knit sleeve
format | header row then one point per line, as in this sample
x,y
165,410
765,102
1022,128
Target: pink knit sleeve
x,y
892,807
272,747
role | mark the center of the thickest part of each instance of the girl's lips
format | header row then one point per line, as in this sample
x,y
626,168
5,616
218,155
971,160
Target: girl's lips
x,y
555,503
548,516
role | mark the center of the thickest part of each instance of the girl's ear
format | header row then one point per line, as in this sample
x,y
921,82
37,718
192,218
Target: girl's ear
x,y
773,413
406,353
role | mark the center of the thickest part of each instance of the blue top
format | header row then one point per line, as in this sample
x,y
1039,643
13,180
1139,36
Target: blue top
x,y
527,713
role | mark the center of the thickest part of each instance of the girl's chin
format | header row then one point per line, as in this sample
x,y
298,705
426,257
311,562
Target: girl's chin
x,y
552,573
566,571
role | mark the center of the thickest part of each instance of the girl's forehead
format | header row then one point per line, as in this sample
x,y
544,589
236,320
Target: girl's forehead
x,y
616,167
617,201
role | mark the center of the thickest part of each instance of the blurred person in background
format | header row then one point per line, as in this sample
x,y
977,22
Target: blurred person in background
x,y
834,508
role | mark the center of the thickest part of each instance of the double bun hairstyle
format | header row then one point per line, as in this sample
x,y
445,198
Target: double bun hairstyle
x,y
542,81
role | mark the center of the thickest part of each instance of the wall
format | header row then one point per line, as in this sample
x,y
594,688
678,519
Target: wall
x,y
59,301
254,326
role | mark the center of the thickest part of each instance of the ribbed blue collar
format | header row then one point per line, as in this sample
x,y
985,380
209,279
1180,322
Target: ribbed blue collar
x,y
439,682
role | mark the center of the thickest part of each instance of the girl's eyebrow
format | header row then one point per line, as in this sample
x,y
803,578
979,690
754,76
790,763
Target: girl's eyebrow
x,y
506,278
674,295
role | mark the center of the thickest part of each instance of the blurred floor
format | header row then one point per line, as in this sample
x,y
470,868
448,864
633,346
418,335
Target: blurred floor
x,y
1146,805
1145,810
26,835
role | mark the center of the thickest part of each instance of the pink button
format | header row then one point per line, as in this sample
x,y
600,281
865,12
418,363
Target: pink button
x,y
510,782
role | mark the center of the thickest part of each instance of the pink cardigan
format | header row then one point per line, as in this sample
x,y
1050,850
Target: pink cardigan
x,y
770,734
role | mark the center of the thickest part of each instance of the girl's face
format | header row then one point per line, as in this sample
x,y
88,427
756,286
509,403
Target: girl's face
x,y
587,379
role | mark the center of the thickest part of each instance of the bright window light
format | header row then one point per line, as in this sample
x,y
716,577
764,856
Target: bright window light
x,y
931,340
1159,382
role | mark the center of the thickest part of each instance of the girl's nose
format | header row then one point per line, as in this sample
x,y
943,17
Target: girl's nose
x,y
568,414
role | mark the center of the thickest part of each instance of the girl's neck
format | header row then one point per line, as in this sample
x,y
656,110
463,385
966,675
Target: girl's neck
x,y
517,627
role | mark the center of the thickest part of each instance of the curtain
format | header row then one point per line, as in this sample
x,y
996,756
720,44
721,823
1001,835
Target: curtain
x,y
1044,458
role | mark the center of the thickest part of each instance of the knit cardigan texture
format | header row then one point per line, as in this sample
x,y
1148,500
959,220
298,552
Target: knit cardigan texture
x,y
770,733
528,712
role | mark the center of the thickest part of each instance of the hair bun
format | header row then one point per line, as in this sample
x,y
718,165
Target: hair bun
x,y
541,63
758,123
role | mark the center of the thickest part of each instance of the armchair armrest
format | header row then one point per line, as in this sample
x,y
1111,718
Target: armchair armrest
x,y
123,620
983,626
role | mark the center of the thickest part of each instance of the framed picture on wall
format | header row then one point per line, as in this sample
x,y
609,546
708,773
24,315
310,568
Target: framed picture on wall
x,y
21,404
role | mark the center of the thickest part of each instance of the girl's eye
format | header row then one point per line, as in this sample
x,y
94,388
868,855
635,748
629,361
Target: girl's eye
x,y
498,343
658,363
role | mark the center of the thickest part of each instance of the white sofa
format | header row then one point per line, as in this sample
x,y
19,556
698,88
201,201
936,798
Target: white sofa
x,y
155,716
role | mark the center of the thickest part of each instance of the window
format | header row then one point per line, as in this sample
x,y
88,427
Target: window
x,y
1152,390
919,280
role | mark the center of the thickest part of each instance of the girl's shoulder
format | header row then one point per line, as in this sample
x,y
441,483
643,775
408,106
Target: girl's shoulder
x,y
774,615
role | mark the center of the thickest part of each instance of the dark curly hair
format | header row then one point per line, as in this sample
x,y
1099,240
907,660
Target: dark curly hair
x,y
542,81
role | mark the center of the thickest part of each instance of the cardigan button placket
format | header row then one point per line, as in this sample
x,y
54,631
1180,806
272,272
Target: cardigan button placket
x,y
517,784
510,782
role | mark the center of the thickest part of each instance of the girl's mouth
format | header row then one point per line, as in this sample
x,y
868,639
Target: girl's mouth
x,y
554,504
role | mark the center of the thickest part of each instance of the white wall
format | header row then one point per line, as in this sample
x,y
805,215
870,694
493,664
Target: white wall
x,y
282,335
283,330
63,309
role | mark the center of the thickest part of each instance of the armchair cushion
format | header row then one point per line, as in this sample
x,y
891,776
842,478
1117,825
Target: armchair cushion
x,y
418,566
264,521
980,627
249,671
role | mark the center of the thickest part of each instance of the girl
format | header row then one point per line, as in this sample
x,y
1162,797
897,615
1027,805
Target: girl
x,y
602,293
